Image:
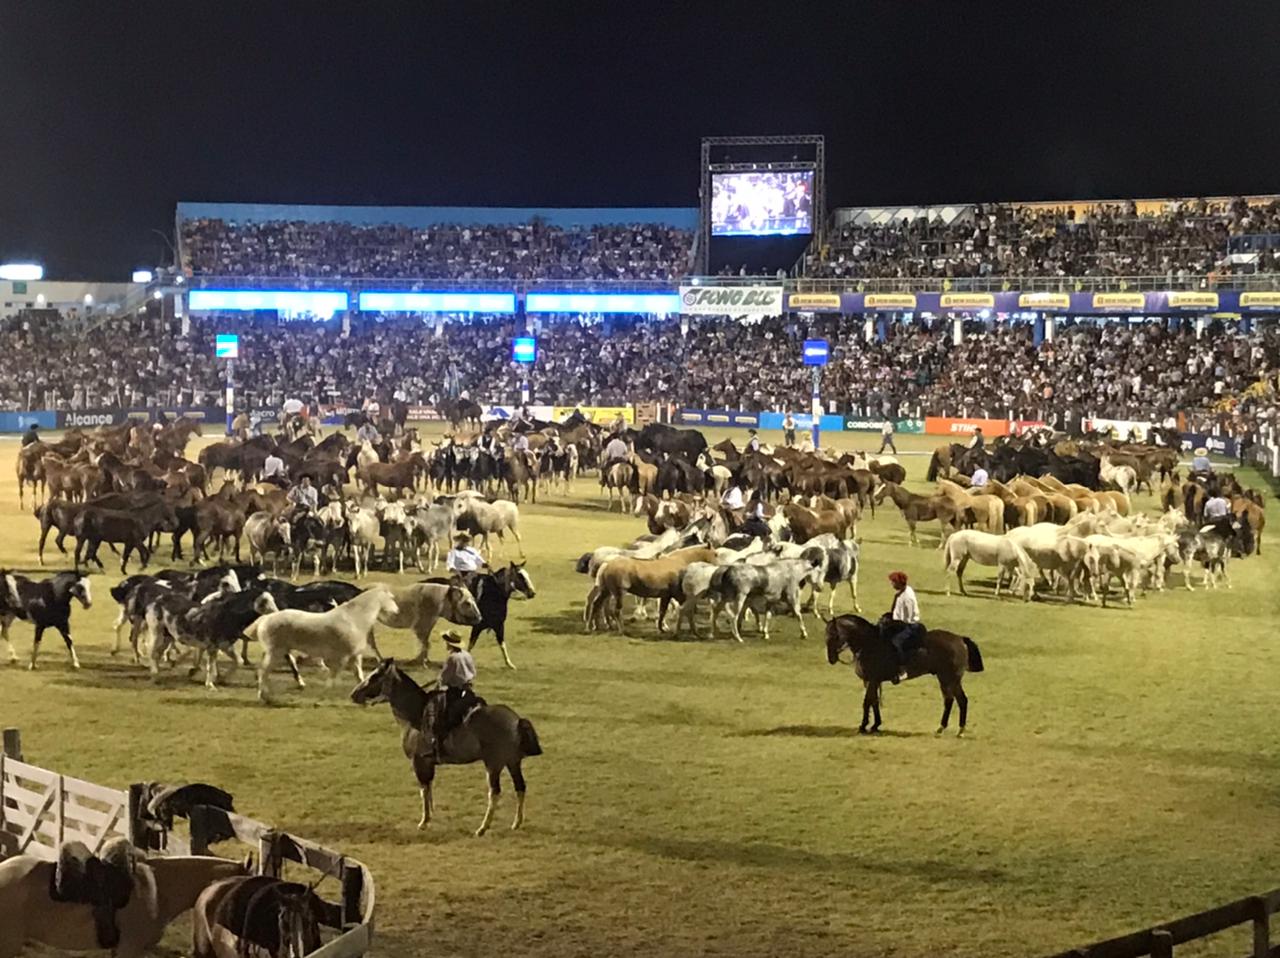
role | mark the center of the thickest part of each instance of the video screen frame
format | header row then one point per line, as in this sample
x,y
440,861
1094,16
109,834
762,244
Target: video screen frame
x,y
762,202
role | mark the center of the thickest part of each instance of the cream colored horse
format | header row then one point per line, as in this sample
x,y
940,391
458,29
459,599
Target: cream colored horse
x,y
163,889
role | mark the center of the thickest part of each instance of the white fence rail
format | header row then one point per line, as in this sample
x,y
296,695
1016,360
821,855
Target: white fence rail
x,y
41,809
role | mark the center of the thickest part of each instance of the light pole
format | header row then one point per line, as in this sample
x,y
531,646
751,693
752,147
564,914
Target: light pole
x,y
524,350
815,354
227,346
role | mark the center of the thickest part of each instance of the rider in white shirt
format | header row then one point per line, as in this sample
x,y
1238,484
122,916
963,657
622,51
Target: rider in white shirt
x,y
979,478
732,499
901,625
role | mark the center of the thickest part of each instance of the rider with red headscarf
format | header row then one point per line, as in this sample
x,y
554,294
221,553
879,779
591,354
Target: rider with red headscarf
x,y
901,624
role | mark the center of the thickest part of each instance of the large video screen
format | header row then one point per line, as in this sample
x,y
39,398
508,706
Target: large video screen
x,y
761,203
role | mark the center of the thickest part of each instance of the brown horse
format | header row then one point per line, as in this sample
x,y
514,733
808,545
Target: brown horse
x,y
944,654
917,508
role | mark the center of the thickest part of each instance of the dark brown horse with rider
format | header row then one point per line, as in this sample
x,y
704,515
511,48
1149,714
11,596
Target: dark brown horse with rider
x,y
941,653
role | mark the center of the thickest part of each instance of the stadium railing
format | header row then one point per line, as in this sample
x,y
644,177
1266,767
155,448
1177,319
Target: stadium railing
x,y
924,284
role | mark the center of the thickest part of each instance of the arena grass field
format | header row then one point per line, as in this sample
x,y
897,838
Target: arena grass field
x,y
702,797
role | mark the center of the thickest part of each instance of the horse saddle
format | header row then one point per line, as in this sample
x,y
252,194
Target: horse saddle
x,y
105,884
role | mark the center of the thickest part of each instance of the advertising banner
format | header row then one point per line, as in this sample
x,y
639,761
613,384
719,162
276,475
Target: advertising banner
x,y
863,424
945,426
813,302
19,421
889,301
213,414
803,421
1260,300
1217,445
422,413
1044,300
543,413
601,415
1193,300
1121,427
1108,301
761,301
719,417
92,418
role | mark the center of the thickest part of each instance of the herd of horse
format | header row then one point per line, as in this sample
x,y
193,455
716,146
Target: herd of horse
x,y
1051,518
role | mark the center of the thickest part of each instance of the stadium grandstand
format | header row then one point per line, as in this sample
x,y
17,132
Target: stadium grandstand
x,y
1134,311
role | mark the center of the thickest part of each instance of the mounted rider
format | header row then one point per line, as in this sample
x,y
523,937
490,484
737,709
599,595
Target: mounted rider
x,y
463,561
455,697
901,626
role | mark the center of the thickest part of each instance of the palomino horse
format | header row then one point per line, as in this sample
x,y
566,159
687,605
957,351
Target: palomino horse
x,y
944,654
493,734
163,888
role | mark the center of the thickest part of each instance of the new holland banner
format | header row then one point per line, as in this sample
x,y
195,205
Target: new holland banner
x,y
759,301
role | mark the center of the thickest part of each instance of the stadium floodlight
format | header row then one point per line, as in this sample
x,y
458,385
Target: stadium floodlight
x,y
88,299
157,295
22,272
142,275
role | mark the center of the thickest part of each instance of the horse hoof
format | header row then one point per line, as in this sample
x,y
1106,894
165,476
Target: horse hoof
x,y
941,729
862,730
960,734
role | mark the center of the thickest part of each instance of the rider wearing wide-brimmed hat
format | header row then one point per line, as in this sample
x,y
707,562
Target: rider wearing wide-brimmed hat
x,y
457,676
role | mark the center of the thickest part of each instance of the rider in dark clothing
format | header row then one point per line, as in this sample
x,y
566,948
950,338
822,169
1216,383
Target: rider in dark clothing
x,y
31,435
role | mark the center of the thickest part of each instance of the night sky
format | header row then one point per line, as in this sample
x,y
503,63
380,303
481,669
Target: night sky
x,y
111,113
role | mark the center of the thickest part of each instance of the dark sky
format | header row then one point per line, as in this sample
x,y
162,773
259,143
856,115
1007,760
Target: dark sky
x,y
111,113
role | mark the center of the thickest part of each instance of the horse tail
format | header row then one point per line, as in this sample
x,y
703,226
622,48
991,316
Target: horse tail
x,y
1189,501
932,474
529,744
975,656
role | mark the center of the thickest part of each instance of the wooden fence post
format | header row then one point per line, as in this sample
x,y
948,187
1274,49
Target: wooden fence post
x,y
199,823
268,855
352,887
1261,929
141,834
13,743
1161,943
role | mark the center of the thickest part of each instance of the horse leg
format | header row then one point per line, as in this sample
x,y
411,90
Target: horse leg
x,y
517,779
853,591
947,698
35,647
65,630
423,634
960,574
495,792
867,698
875,707
500,633
963,701
424,769
5,622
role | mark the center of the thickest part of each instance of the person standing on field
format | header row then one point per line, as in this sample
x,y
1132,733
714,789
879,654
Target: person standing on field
x,y
886,437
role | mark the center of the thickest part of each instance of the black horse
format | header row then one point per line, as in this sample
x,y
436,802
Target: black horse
x,y
46,603
492,591
658,437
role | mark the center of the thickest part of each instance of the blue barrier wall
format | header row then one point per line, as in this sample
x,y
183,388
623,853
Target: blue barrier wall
x,y
19,421
803,420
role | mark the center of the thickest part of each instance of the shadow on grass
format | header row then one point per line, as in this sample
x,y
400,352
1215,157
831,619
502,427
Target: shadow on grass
x,y
824,731
760,855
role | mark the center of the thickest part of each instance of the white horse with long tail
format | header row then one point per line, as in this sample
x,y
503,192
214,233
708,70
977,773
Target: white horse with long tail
x,y
336,638
1004,553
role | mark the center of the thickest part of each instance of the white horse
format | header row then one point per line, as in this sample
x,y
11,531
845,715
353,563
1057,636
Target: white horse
x,y
985,548
1124,478
163,888
363,528
485,518
336,638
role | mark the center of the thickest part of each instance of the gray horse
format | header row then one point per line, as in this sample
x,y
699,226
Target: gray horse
x,y
493,734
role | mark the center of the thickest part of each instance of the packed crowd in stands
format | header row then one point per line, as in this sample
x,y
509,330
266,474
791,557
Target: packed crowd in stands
x,y
1145,371
1186,239
515,252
